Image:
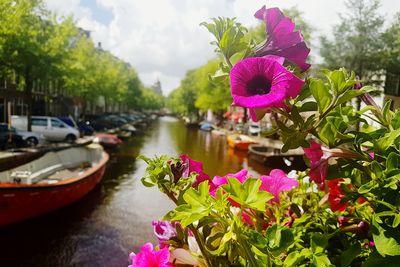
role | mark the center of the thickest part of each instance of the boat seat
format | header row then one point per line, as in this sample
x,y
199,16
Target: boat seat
x,y
37,176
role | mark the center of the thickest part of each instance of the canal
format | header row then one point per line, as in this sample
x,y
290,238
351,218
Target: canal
x,y
115,218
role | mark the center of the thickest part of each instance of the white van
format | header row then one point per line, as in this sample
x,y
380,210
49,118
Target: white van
x,y
53,129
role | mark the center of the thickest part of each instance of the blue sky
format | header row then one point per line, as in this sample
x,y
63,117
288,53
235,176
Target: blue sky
x,y
162,39
100,13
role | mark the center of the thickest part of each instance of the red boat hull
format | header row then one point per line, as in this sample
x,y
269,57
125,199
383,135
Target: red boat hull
x,y
19,202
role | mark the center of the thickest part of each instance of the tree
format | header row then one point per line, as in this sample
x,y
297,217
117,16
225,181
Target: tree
x,y
33,44
212,95
356,43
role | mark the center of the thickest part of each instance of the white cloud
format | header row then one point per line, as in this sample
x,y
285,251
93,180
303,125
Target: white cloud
x,y
162,38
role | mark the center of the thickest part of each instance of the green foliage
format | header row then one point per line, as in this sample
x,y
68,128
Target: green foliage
x,y
357,43
345,210
199,92
35,45
247,194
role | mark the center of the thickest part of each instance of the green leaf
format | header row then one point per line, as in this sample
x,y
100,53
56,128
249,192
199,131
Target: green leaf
x,y
387,113
304,93
367,187
197,205
247,194
349,95
338,81
383,143
377,260
279,238
396,120
387,240
296,117
309,106
292,259
318,242
396,221
258,240
393,161
327,134
349,255
293,140
321,260
321,94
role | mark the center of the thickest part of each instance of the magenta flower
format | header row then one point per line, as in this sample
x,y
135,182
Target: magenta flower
x,y
261,83
319,163
276,182
218,180
319,160
147,257
190,166
164,230
282,40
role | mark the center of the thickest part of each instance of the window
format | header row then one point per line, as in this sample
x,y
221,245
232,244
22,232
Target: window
x,y
392,84
56,123
39,122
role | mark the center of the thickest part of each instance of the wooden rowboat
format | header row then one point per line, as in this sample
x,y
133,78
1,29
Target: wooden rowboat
x,y
50,182
272,157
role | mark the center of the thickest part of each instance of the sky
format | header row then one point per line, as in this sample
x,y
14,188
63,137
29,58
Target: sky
x,y
162,39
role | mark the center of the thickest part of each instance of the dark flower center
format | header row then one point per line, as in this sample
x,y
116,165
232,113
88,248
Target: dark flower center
x,y
258,85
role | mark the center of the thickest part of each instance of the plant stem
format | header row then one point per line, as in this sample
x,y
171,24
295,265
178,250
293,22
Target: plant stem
x,y
199,240
246,249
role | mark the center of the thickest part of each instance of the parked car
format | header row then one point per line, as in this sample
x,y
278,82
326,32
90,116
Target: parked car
x,y
9,137
83,128
53,129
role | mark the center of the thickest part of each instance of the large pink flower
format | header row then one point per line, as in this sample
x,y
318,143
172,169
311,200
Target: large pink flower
x,y
282,40
261,83
190,166
147,257
276,182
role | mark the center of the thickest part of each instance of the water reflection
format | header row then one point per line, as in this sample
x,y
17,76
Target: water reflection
x,y
115,218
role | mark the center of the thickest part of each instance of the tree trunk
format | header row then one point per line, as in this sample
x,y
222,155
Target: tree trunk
x,y
28,94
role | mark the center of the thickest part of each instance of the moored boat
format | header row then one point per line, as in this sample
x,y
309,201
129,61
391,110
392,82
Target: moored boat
x,y
108,141
240,141
272,157
219,131
50,182
207,127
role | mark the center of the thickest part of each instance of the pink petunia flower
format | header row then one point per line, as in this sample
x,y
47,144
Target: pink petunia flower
x,y
147,257
218,180
276,182
262,83
282,39
190,166
164,231
319,159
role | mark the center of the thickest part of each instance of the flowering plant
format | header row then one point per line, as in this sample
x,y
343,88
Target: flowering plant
x,y
343,211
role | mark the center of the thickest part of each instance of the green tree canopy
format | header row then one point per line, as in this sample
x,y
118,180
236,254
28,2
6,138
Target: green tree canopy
x,y
356,43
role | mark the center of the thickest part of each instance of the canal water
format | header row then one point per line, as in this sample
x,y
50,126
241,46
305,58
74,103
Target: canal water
x,y
115,218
